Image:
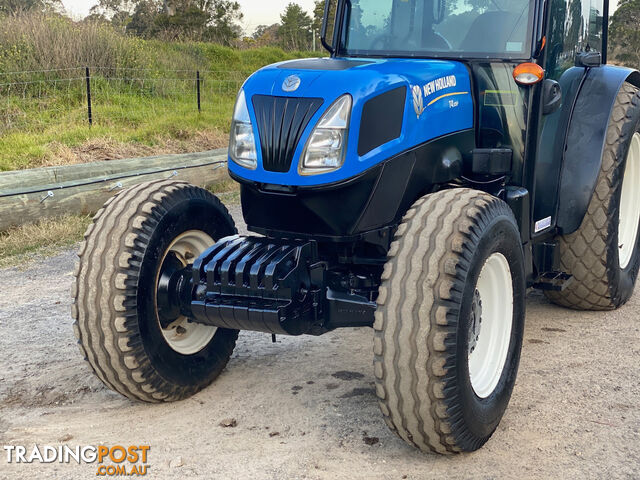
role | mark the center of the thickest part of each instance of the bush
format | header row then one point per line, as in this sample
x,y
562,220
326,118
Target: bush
x,y
36,41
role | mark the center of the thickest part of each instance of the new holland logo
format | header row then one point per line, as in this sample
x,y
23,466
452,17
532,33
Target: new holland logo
x,y
418,100
291,83
427,93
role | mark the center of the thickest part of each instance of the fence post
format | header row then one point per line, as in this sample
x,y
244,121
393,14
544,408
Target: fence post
x,y
198,88
89,110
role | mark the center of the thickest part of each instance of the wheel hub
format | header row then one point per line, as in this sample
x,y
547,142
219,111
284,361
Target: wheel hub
x,y
476,321
173,280
173,294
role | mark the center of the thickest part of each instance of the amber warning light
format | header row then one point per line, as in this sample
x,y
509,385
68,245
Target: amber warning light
x,y
528,74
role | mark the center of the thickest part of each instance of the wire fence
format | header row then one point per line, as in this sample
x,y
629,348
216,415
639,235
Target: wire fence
x,y
33,100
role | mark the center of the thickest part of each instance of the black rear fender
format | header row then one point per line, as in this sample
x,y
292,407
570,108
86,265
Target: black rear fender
x,y
585,141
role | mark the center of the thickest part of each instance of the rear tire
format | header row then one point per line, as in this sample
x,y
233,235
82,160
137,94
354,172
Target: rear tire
x,y
603,255
136,235
443,377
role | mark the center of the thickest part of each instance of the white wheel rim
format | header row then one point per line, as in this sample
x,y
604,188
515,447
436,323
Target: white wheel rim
x,y
490,337
630,204
184,336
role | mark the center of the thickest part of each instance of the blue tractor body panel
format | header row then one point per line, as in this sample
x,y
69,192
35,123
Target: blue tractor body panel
x,y
438,102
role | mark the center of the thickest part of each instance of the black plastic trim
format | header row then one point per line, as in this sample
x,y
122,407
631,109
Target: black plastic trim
x,y
281,121
382,119
492,161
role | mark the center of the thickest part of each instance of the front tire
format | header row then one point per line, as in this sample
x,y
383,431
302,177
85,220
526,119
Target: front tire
x,y
135,242
444,369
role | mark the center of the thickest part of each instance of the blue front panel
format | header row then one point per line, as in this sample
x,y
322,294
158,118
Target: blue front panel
x,y
439,102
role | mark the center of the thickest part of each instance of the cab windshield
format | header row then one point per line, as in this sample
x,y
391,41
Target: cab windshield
x,y
438,28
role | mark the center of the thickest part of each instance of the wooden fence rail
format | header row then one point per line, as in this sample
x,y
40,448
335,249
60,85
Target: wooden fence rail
x,y
29,195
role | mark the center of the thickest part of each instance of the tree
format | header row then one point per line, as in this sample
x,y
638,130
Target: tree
x,y
109,8
215,20
624,33
265,35
15,6
295,28
188,22
259,31
118,12
143,20
224,18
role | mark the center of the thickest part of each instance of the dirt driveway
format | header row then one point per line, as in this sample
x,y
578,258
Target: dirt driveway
x,y
306,408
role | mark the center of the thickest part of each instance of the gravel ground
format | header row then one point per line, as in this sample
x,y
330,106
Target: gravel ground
x,y
306,408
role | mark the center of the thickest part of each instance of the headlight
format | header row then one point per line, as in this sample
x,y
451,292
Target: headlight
x,y
327,146
242,145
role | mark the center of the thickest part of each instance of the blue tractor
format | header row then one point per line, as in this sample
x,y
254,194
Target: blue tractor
x,y
448,156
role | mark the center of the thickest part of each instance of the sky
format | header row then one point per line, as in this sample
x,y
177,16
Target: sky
x,y
256,12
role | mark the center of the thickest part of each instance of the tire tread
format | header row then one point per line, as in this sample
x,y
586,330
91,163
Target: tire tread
x,y
105,291
431,248
584,253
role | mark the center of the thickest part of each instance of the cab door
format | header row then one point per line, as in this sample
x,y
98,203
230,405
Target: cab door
x,y
573,27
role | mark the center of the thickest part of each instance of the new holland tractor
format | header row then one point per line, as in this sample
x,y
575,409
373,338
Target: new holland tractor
x,y
445,158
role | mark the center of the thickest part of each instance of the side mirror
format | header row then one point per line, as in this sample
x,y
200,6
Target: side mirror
x,y
588,59
551,97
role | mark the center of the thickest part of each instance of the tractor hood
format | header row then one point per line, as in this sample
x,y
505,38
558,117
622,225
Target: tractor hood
x,y
398,104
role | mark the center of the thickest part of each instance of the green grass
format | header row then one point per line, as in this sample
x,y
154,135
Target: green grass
x,y
46,237
122,114
227,191
153,110
144,97
125,122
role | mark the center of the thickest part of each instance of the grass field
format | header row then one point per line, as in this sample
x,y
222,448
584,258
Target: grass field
x,y
143,92
152,127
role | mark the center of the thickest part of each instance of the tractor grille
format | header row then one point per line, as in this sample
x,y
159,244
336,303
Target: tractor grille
x,y
281,122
